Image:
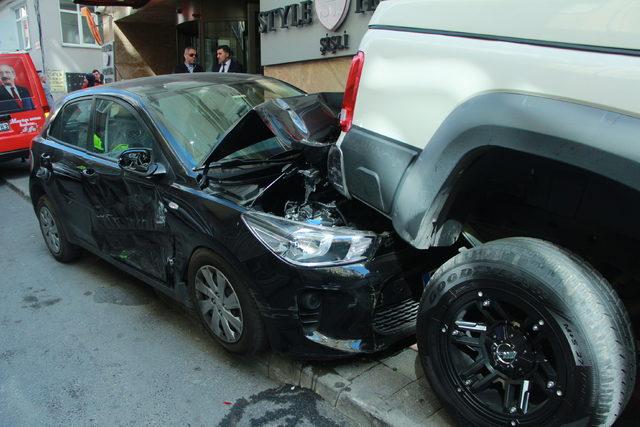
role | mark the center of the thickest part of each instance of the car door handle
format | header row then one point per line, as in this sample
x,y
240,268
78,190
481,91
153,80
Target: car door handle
x,y
45,159
90,175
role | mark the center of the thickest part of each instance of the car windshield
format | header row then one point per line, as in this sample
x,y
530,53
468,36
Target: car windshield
x,y
197,116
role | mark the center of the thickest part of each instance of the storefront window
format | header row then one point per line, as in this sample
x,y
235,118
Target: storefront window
x,y
75,29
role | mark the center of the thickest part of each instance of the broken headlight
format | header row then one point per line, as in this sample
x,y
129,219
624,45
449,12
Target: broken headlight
x,y
310,245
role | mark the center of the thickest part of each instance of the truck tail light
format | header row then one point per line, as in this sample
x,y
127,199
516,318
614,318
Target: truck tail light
x,y
351,91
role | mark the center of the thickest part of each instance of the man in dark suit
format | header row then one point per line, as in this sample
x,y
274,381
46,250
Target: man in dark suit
x,y
226,64
189,65
13,98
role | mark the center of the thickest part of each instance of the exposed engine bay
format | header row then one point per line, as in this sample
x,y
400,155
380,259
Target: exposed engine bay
x,y
292,184
298,192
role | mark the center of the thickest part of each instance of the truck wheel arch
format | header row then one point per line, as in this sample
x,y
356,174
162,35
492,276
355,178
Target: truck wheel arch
x,y
587,137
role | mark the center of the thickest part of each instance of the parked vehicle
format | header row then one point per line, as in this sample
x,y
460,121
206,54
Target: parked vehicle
x,y
514,127
199,185
23,105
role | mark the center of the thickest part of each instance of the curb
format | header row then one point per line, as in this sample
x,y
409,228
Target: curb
x,y
371,393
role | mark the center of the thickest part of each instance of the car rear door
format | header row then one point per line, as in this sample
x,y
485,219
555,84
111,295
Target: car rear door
x,y
128,210
61,158
22,104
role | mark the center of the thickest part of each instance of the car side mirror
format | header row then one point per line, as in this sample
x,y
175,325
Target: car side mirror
x,y
138,161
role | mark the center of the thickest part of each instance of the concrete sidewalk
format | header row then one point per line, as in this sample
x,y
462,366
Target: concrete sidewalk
x,y
388,389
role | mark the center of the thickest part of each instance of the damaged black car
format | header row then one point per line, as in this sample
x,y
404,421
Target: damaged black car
x,y
213,189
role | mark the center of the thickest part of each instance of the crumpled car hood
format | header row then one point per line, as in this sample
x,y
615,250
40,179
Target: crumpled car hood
x,y
299,121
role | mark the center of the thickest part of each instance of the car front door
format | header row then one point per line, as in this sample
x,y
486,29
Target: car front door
x,y
128,209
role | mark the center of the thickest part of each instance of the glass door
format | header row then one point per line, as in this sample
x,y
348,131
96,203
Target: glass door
x,y
220,33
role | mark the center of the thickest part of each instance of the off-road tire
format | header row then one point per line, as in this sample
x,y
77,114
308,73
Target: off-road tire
x,y
583,312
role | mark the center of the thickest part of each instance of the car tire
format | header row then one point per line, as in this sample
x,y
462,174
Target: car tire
x,y
521,332
53,231
235,322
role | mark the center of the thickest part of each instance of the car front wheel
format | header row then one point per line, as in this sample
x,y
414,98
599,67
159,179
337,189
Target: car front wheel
x,y
521,332
223,302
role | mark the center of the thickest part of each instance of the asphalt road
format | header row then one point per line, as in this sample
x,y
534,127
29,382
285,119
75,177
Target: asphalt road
x,y
85,344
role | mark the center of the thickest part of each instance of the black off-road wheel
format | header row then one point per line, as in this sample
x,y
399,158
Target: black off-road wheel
x,y
54,233
521,332
224,304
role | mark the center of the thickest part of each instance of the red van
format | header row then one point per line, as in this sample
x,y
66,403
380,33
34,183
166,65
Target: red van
x,y
23,105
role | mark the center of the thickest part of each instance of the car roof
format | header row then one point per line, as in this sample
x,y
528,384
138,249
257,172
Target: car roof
x,y
137,90
135,85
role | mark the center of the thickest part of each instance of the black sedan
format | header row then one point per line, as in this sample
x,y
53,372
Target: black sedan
x,y
211,188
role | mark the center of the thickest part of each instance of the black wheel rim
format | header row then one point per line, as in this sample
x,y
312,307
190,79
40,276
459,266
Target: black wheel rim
x,y
504,356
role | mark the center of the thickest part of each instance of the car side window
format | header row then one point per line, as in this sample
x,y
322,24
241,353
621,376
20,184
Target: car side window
x,y
72,123
117,129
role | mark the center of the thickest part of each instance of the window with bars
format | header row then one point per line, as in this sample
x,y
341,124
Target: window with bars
x,y
22,26
75,30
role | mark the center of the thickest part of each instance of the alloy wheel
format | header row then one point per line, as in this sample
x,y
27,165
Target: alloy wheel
x,y
49,230
219,304
503,357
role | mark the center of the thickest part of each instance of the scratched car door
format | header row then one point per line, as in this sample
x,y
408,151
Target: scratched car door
x,y
130,215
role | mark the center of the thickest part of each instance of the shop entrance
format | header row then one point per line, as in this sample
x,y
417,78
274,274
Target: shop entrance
x,y
209,25
220,33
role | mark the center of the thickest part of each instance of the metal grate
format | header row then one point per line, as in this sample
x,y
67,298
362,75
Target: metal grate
x,y
309,319
395,317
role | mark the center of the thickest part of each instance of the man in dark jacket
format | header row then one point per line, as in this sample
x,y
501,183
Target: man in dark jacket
x,y
226,64
13,98
189,65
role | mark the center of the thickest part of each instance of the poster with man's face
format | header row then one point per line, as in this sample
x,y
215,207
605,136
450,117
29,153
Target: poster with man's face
x,y
15,89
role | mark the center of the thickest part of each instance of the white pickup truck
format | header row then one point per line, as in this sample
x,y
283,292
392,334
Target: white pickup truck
x,y
514,127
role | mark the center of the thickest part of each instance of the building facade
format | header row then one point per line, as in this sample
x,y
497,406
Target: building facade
x,y
56,36
307,43
310,43
150,40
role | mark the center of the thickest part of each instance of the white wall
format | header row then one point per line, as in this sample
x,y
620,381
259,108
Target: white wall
x,y
8,33
58,59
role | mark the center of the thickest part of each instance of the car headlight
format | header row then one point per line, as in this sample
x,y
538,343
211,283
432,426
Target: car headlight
x,y
310,245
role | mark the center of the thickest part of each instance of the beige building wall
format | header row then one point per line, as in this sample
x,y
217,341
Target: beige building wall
x,y
157,53
324,75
